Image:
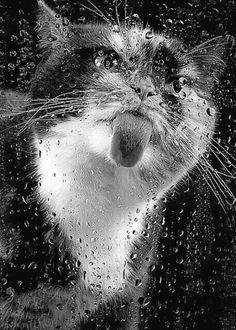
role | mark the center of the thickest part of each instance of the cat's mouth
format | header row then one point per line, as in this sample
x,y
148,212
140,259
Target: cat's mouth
x,y
130,136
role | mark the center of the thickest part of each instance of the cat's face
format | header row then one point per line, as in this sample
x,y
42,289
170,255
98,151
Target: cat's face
x,y
136,98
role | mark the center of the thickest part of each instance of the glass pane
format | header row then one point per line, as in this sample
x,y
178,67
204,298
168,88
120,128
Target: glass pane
x,y
117,164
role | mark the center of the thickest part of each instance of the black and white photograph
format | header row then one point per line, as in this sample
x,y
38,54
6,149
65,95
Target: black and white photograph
x,y
117,165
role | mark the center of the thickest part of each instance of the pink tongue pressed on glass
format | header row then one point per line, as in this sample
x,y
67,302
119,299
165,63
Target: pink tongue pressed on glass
x,y
130,137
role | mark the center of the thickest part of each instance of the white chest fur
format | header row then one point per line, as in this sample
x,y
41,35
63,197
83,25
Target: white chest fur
x,y
99,206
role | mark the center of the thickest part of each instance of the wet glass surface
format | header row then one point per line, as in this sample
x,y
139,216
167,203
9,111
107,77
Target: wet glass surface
x,y
193,278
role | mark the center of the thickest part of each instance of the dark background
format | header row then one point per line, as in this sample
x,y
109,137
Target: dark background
x,y
195,279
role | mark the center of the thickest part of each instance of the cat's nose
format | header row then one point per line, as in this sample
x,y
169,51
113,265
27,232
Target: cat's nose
x,y
144,88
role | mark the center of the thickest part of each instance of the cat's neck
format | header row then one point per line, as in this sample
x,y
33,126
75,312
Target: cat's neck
x,y
99,206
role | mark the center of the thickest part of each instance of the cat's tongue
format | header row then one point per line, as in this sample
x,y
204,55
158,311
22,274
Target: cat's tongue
x,y
130,137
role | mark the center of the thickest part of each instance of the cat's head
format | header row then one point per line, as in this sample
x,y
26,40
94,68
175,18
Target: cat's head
x,y
142,98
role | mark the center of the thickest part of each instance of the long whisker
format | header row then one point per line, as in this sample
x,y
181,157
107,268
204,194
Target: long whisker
x,y
48,116
205,45
94,11
229,176
210,171
98,11
208,56
211,184
220,161
175,115
27,123
214,143
117,15
224,152
215,147
212,177
56,101
125,12
132,12
44,107
224,188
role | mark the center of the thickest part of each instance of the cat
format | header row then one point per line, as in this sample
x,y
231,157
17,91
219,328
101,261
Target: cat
x,y
116,117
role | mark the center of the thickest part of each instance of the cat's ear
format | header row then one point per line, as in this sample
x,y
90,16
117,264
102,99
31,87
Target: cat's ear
x,y
52,29
211,56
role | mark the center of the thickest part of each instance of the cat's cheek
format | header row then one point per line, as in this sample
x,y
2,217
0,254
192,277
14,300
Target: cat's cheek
x,y
198,107
148,157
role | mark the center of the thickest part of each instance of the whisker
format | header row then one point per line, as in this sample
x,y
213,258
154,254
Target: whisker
x,y
93,11
229,176
205,45
44,107
125,4
210,171
213,141
51,116
224,152
117,15
172,129
216,146
132,12
211,176
211,184
220,161
48,116
208,56
220,181
174,115
97,11
27,124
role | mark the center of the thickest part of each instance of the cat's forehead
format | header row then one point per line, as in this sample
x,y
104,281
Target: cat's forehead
x,y
134,39
122,40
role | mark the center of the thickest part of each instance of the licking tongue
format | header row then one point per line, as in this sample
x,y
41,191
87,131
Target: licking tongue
x,y
130,137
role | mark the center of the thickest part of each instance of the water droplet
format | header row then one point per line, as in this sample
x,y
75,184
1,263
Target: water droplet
x,y
19,283
182,95
136,16
153,268
133,256
10,291
65,21
149,35
87,312
81,19
32,265
116,28
210,112
138,282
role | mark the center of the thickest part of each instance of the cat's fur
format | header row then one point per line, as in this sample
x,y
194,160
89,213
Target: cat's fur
x,y
84,172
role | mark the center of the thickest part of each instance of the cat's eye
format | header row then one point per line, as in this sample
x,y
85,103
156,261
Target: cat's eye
x,y
178,87
178,84
106,59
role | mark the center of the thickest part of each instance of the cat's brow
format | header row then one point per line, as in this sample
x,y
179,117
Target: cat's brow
x,y
176,65
88,49
169,58
89,36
